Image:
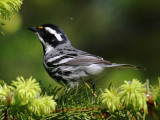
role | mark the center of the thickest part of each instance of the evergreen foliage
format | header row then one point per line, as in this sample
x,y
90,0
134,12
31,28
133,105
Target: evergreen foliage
x,y
8,8
24,99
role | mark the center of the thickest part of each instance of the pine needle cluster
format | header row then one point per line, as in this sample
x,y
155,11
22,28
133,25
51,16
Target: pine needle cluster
x,y
24,99
8,8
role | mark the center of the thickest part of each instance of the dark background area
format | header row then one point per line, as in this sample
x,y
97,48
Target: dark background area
x,y
121,31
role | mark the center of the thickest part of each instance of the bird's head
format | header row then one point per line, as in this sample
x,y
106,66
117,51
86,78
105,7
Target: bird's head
x,y
50,35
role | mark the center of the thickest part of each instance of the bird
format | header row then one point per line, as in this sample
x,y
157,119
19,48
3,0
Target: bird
x,y
64,63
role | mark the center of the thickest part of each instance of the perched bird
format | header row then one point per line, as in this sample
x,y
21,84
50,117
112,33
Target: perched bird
x,y
65,63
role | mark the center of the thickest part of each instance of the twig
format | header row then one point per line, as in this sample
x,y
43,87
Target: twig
x,y
90,89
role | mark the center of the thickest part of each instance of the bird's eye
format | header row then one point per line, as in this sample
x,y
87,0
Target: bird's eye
x,y
43,31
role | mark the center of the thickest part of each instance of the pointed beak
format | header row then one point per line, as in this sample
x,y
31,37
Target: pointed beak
x,y
33,29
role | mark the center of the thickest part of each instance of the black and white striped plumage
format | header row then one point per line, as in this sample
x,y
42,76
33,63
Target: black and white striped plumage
x,y
65,63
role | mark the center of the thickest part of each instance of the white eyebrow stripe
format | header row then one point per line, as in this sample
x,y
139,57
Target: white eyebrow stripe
x,y
57,35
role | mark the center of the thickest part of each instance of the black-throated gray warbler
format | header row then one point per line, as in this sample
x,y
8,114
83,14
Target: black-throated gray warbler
x,y
65,63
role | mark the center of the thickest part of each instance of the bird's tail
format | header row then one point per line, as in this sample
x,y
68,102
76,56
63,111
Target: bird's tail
x,y
123,66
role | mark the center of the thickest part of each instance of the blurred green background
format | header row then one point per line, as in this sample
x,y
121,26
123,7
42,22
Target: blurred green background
x,y
121,31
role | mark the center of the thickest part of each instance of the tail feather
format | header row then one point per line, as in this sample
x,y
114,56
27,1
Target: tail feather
x,y
123,66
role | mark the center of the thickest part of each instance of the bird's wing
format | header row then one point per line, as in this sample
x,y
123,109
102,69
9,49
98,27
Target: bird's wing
x,y
95,65
81,59
85,60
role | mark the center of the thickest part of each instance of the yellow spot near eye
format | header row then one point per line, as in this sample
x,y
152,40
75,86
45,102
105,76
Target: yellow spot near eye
x,y
40,27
